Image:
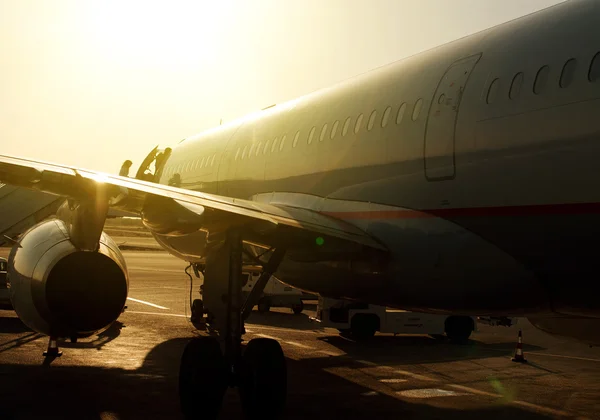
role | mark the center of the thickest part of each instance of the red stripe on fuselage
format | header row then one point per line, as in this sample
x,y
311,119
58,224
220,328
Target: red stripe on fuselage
x,y
534,210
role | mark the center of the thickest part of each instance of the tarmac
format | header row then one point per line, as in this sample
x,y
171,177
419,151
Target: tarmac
x,y
130,371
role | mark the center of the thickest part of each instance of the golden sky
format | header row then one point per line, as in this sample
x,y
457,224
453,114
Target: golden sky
x,y
92,83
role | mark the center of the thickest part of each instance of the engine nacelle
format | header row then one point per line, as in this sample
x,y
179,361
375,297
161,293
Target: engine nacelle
x,y
61,291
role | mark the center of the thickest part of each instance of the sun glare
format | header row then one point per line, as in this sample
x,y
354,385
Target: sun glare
x,y
163,34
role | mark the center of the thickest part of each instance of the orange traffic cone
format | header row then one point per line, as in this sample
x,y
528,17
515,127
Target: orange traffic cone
x,y
53,350
519,356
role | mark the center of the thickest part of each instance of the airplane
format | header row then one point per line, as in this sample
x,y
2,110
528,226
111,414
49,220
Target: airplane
x,y
462,180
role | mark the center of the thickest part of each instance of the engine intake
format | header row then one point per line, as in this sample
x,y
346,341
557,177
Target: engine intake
x,y
59,290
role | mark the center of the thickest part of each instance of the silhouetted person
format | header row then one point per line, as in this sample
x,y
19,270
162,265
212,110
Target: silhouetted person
x,y
159,164
125,168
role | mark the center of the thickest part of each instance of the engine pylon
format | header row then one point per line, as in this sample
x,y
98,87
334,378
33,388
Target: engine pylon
x,y
519,356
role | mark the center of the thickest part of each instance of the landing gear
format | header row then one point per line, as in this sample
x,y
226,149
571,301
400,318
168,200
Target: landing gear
x,y
197,317
210,364
263,379
203,378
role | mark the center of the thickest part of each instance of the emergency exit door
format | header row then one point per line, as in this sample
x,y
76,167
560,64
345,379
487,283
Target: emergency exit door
x,y
441,121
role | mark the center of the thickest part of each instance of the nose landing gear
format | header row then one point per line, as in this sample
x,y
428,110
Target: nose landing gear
x,y
211,364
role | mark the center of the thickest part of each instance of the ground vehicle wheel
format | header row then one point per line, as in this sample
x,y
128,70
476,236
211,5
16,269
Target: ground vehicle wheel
x,y
263,379
203,378
364,326
264,305
459,328
298,308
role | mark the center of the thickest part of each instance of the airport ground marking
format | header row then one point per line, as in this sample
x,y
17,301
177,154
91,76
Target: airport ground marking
x,y
429,393
154,313
587,359
260,327
146,303
331,353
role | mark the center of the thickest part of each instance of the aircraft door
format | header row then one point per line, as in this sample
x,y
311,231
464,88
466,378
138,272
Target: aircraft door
x,y
441,122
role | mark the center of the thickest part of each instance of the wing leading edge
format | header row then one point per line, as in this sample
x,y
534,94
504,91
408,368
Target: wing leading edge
x,y
129,194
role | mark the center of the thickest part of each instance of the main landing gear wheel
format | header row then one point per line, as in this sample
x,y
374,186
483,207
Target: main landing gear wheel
x,y
263,380
203,379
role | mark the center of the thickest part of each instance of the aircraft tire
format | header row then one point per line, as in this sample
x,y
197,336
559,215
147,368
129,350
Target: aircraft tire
x,y
263,380
364,326
459,328
203,378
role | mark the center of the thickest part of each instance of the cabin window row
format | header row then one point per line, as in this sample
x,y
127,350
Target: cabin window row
x,y
279,143
193,165
567,76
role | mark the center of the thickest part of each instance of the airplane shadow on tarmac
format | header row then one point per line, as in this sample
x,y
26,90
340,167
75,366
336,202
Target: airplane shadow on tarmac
x,y
78,392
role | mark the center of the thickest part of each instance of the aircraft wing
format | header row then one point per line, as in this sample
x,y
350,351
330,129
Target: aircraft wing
x,y
131,194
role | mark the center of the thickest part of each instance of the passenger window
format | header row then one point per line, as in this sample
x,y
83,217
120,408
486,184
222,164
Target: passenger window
x,y
296,137
251,150
417,109
311,135
346,126
594,73
266,147
493,91
400,113
386,116
568,73
274,144
371,120
541,79
258,148
201,163
515,87
237,154
212,161
334,129
441,99
323,131
358,123
244,152
282,143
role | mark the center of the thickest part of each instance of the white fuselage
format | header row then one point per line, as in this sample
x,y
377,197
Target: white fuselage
x,y
475,163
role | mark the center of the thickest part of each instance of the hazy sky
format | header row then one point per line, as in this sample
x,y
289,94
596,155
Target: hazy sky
x,y
92,83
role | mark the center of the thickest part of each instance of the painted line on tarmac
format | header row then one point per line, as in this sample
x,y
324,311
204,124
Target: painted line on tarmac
x,y
587,359
393,381
429,393
525,404
147,303
154,313
331,353
260,327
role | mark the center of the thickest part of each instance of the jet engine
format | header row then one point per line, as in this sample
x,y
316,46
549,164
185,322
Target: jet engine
x,y
61,291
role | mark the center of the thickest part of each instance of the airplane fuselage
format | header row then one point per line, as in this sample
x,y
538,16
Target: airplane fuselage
x,y
474,163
